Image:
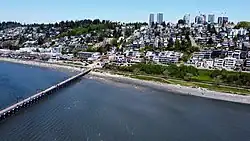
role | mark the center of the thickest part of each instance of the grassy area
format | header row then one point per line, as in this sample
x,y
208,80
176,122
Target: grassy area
x,y
150,78
225,89
203,78
220,88
182,83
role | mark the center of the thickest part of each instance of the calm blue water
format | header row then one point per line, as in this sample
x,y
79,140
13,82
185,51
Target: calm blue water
x,y
94,110
21,81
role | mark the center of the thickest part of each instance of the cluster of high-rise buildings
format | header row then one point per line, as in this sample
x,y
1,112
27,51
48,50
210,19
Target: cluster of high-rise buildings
x,y
200,19
159,18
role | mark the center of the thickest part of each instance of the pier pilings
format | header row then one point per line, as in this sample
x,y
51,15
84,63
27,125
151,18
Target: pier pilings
x,y
13,109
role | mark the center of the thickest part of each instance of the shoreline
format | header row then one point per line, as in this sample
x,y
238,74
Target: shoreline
x,y
40,64
199,92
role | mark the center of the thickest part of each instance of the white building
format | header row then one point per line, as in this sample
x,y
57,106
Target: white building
x,y
208,63
247,63
149,53
229,62
201,55
234,32
169,57
5,51
26,49
236,54
88,56
57,50
242,31
156,59
218,63
230,53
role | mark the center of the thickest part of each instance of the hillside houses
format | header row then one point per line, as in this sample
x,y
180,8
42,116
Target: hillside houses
x,y
220,59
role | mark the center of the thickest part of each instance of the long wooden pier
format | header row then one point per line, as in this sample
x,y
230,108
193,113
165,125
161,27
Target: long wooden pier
x,y
13,109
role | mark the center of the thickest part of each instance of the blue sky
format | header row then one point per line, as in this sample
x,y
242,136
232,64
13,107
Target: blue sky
x,y
29,11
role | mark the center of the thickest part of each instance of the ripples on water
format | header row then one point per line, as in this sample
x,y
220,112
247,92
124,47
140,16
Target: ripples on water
x,y
21,81
94,110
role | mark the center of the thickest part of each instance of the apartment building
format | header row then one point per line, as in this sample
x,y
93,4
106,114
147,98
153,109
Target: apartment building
x,y
208,63
236,54
229,62
218,63
88,56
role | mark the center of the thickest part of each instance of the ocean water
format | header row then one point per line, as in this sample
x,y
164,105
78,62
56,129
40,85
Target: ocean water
x,y
99,110
19,81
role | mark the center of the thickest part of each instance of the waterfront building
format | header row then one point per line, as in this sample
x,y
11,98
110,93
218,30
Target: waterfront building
x,y
88,56
229,63
218,63
57,50
247,63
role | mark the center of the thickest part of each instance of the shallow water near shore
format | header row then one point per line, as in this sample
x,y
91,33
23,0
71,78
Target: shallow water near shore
x,y
95,110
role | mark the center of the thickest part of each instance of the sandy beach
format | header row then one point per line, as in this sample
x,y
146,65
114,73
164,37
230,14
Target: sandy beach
x,y
157,85
177,88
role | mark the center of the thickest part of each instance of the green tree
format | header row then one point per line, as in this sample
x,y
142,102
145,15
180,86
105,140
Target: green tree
x,y
209,28
96,21
215,73
177,45
183,46
170,44
188,76
185,57
136,71
166,73
243,24
210,41
128,32
100,38
101,50
107,47
40,41
114,42
91,49
149,48
217,80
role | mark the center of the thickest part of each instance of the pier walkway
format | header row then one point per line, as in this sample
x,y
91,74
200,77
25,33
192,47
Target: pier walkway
x,y
11,110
